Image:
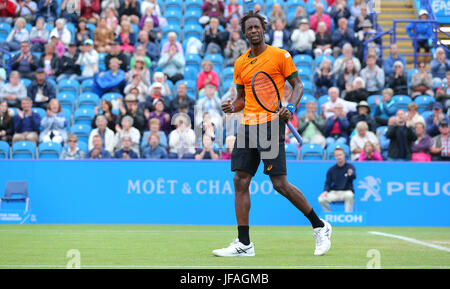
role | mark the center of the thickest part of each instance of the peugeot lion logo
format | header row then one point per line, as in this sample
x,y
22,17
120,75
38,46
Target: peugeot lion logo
x,y
372,187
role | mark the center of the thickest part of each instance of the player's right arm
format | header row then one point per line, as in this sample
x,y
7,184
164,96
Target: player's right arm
x,y
238,104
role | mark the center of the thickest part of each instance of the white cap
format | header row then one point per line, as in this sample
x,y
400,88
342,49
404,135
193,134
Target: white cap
x,y
423,11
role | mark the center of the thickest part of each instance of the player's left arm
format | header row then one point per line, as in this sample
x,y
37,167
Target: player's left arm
x,y
297,93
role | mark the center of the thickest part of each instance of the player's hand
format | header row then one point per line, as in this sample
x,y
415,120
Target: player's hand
x,y
284,114
324,194
227,107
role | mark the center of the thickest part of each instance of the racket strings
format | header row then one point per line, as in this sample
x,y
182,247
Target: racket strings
x,y
266,92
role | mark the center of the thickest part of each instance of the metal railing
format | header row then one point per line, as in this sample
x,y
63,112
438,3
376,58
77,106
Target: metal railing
x,y
392,31
426,4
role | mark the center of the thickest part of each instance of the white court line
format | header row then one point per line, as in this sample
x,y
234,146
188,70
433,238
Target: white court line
x,y
411,240
54,231
218,267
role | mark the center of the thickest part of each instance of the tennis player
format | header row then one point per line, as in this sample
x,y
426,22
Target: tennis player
x,y
251,148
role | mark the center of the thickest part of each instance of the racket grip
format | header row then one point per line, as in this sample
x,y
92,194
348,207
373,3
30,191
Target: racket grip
x,y
294,132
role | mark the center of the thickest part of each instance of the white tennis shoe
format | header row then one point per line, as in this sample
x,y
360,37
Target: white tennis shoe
x,y
323,239
236,249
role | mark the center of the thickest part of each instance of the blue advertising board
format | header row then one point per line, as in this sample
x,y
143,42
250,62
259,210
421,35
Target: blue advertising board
x,y
441,9
201,192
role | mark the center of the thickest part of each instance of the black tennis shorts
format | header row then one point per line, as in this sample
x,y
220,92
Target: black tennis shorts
x,y
260,142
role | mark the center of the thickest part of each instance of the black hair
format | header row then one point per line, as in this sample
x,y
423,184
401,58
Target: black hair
x,y
252,14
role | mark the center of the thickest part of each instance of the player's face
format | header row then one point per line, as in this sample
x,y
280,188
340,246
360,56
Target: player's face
x,y
254,31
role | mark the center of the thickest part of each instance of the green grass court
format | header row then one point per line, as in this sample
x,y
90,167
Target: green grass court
x,y
161,246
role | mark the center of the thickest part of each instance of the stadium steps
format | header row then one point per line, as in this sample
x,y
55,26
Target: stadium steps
x,y
395,9
443,37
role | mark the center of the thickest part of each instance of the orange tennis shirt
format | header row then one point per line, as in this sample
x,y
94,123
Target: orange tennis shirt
x,y
277,63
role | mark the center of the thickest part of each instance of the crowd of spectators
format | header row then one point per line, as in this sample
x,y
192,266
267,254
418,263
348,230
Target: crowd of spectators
x,y
121,46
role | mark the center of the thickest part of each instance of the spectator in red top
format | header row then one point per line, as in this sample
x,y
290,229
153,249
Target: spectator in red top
x,y
89,10
318,17
7,11
214,8
207,76
336,126
233,9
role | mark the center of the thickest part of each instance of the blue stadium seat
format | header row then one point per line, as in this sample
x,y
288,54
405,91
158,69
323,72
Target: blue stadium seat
x,y
68,115
81,131
48,27
5,29
227,83
291,151
191,16
23,150
193,59
92,28
101,61
67,100
73,30
322,100
111,96
216,59
311,8
86,85
25,81
49,150
302,59
228,73
426,113
38,55
88,100
402,101
381,130
384,141
69,86
83,116
410,73
331,148
311,152
320,58
305,72
12,111
173,16
308,87
193,30
190,73
83,146
4,150
291,15
171,28
53,82
291,5
423,102
170,4
42,113
249,4
372,103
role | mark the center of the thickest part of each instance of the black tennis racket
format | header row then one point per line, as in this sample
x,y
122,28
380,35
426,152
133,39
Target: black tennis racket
x,y
267,95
